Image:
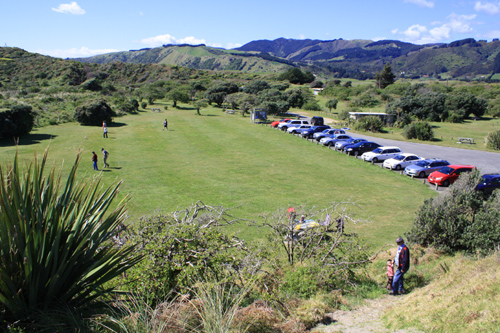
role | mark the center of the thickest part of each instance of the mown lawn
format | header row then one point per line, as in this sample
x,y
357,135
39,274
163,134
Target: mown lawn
x,y
225,160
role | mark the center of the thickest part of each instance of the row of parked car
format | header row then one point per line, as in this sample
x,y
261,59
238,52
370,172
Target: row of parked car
x,y
437,171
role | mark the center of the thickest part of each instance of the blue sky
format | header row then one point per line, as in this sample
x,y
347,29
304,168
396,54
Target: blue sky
x,y
84,28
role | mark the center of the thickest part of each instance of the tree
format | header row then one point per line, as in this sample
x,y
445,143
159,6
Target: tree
x,y
420,130
56,240
296,76
331,104
385,77
94,113
256,86
217,94
17,121
200,104
179,94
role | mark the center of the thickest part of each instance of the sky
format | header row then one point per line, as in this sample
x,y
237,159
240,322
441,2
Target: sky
x,y
83,28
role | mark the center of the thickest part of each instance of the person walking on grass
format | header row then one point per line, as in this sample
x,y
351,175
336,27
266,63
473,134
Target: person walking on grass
x,y
104,130
94,160
105,155
402,265
165,125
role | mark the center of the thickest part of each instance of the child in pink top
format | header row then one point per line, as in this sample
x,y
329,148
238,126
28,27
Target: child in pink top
x,y
390,274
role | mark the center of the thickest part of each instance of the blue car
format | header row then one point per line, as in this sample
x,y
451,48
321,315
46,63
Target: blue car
x,y
425,167
329,132
341,144
489,183
314,129
360,147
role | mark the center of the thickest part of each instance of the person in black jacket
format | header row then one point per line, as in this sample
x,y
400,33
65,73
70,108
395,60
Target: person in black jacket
x,y
402,265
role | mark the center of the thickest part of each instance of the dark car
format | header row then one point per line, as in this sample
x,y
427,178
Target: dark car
x,y
317,121
489,183
360,148
314,129
448,174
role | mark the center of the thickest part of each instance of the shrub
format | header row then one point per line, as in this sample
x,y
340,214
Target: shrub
x,y
56,241
369,123
421,130
144,105
17,121
94,113
460,219
311,106
492,140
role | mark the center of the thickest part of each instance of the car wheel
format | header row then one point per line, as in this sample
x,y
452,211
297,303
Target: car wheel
x,y
284,128
421,174
398,167
356,153
446,183
330,144
375,160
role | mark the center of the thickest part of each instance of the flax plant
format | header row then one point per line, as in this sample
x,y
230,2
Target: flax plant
x,y
56,244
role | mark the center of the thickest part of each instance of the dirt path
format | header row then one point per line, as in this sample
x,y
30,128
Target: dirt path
x,y
366,318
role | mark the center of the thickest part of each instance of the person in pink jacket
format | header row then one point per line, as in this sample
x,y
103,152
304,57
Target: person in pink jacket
x,y
390,274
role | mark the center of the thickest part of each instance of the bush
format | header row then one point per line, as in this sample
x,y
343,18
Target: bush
x,y
144,105
94,113
421,130
311,106
56,241
492,140
17,121
369,123
460,219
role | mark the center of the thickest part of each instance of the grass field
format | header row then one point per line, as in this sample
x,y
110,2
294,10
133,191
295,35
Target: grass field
x,y
225,160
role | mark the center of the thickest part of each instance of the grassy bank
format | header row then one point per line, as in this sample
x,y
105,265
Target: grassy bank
x,y
224,160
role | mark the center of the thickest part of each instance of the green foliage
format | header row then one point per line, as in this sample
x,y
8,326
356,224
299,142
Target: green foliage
x,y
385,77
312,106
144,105
218,93
296,76
421,130
364,100
331,104
369,123
94,113
255,86
179,94
316,84
192,244
17,121
460,219
493,140
56,240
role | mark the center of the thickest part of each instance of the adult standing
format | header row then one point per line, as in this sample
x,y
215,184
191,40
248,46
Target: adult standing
x,y
165,125
94,160
104,130
402,265
105,155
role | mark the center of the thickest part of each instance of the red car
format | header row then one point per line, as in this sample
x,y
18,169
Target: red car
x,y
448,174
276,123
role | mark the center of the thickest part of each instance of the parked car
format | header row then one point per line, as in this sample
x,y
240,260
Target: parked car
x,y
292,123
489,183
360,148
448,174
317,121
314,129
276,123
381,154
330,141
298,130
341,144
401,161
424,168
325,133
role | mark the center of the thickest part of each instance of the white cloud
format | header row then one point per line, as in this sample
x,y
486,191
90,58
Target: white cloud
x,y
422,3
420,34
69,8
191,40
492,34
302,36
487,7
141,13
233,45
169,39
82,52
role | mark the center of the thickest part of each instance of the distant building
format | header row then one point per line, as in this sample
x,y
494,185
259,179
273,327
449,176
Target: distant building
x,y
316,91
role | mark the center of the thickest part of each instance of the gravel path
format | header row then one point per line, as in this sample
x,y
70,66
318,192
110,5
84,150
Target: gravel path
x,y
364,319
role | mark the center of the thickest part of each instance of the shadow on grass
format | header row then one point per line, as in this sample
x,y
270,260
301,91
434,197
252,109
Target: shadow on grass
x,y
435,126
184,108
116,168
436,140
105,170
26,140
116,124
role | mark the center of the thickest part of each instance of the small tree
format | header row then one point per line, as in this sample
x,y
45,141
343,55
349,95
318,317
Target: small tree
x,y
370,123
17,121
200,104
385,77
420,130
94,113
332,104
493,140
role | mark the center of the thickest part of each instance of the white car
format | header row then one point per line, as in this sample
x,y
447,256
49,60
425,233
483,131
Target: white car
x,y
381,154
295,130
292,123
401,161
330,141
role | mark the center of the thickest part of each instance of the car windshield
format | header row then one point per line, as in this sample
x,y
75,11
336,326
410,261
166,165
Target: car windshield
x,y
446,170
377,151
423,163
399,157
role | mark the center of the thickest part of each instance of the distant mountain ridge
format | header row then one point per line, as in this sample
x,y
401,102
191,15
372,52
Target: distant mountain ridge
x,y
343,58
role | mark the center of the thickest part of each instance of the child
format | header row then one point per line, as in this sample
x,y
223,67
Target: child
x,y
390,274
